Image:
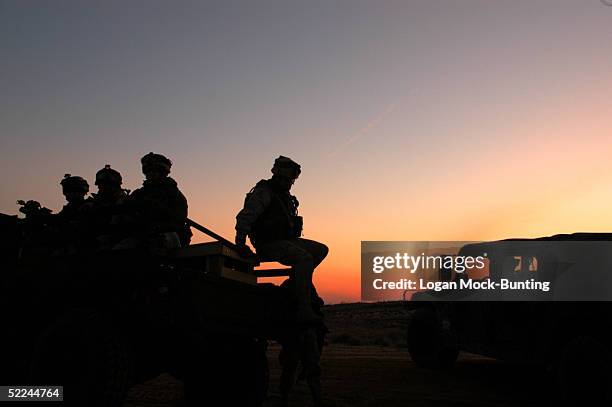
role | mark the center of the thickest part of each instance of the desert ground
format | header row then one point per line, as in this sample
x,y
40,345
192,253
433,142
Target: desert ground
x,y
365,363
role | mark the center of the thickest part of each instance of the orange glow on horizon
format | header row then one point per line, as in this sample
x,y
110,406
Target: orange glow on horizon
x,y
556,183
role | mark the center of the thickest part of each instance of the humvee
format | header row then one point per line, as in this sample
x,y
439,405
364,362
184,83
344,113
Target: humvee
x,y
99,323
566,329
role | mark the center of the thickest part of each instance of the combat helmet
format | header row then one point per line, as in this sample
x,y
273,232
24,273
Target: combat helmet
x,y
74,183
286,166
108,176
156,161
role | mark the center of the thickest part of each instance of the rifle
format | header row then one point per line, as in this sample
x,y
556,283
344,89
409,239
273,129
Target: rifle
x,y
32,208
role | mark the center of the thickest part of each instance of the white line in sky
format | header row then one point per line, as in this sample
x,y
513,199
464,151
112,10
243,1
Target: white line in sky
x,y
372,124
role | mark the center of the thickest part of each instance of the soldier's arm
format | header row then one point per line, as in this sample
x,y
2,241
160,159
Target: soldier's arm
x,y
254,206
182,207
178,212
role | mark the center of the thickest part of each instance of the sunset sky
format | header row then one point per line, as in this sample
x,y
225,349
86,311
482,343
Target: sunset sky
x,y
412,120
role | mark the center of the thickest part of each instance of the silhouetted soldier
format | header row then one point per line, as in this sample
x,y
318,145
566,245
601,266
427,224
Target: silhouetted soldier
x,y
160,208
70,221
74,189
270,219
106,211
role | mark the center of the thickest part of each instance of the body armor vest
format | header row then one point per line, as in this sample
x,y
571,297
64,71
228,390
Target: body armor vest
x,y
280,220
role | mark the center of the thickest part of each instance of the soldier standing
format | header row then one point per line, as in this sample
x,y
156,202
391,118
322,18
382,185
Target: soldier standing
x,y
159,206
106,210
70,220
270,219
74,189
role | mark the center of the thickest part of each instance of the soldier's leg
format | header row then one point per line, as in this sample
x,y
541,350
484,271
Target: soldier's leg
x,y
289,359
287,252
317,250
310,357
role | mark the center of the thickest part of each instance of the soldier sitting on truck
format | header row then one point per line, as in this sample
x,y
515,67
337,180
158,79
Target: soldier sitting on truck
x,y
270,219
74,189
70,221
106,211
159,207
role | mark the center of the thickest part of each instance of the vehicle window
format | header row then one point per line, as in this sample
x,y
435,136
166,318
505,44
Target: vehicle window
x,y
527,263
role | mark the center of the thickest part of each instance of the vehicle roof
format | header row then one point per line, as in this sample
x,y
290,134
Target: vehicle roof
x,y
573,237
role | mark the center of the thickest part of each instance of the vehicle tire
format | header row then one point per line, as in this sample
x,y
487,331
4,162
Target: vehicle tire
x,y
430,346
232,372
584,373
83,352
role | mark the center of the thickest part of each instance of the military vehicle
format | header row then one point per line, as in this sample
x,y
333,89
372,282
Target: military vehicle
x,y
567,329
99,323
